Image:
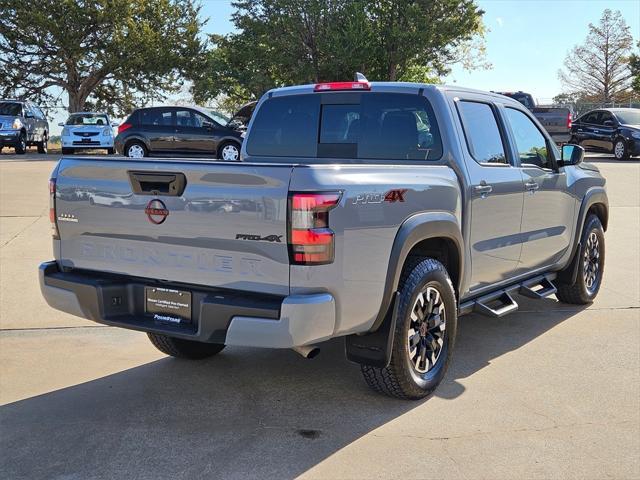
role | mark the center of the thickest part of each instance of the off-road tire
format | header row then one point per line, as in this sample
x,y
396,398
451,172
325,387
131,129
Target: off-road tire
x,y
399,379
577,292
179,348
42,146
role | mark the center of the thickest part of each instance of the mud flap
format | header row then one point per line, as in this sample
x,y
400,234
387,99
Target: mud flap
x,y
374,349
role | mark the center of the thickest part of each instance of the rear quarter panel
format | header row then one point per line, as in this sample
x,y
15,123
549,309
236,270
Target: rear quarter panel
x,y
365,227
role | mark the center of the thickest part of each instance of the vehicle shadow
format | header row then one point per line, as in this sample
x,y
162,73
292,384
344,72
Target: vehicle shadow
x,y
247,413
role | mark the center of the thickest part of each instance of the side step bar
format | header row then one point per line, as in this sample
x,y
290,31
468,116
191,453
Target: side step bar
x,y
500,303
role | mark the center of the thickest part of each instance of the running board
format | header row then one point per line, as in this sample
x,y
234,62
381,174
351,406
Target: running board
x,y
546,288
537,287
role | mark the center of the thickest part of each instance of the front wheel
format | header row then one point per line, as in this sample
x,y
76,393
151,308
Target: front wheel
x,y
620,149
43,145
590,260
424,334
229,152
21,146
179,348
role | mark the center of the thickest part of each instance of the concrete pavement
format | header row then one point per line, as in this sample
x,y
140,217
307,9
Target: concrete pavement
x,y
552,391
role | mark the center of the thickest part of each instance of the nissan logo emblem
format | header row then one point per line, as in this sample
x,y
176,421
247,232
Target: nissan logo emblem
x,y
156,211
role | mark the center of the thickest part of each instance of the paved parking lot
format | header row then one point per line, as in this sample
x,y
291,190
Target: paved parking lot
x,y
552,391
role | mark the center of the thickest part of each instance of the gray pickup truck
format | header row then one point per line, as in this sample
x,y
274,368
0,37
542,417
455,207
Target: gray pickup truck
x,y
377,212
557,121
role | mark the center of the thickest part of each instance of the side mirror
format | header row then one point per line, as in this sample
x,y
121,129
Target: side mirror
x,y
571,155
115,124
609,123
28,115
61,124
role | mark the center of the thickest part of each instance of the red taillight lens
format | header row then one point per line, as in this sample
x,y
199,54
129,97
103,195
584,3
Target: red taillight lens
x,y
569,120
332,86
52,208
123,127
311,241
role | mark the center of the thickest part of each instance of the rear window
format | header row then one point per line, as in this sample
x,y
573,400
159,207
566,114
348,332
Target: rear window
x,y
383,126
482,133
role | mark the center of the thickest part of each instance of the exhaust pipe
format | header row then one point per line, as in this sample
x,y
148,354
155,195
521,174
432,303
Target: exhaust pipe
x,y
307,351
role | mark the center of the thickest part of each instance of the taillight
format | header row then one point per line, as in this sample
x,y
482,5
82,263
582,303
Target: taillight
x,y
332,86
311,241
52,208
123,127
569,120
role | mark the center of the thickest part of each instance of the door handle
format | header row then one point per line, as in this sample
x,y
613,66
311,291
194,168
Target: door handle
x,y
483,189
532,186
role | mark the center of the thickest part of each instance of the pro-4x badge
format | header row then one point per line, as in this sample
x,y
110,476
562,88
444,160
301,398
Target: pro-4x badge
x,y
268,238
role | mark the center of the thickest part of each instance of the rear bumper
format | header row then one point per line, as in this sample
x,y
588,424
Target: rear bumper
x,y
218,316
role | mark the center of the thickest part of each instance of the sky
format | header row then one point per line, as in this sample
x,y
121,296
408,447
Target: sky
x,y
527,42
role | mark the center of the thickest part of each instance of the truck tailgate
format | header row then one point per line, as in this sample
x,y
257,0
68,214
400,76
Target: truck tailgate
x,y
227,228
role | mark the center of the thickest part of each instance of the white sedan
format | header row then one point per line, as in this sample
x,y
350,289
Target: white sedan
x,y
87,130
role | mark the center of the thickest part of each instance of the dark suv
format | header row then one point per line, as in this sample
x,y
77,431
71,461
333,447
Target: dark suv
x,y
23,124
189,131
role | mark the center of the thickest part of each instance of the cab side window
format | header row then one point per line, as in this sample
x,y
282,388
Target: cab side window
x,y
592,118
482,132
531,144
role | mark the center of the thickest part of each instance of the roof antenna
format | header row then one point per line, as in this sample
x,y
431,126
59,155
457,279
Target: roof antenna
x,y
359,77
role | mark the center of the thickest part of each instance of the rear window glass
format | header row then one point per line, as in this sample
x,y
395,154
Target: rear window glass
x,y
384,126
482,132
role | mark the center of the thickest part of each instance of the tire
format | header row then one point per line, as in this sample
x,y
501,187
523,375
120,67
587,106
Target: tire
x,y
135,149
111,151
620,149
43,145
229,152
580,292
407,376
21,146
179,348
67,151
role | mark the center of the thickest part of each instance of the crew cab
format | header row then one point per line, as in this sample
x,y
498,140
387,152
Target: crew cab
x,y
376,212
557,121
610,130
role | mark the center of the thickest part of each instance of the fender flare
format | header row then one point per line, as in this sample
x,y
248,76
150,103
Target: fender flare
x,y
374,348
419,227
594,195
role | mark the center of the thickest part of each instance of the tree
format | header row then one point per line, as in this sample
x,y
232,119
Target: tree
x,y
280,42
634,66
599,68
106,54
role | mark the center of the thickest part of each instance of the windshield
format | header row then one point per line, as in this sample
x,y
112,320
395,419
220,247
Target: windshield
x,y
629,117
10,108
219,117
88,119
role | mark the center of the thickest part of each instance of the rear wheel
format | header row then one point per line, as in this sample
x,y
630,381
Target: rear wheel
x,y
424,335
179,348
135,149
43,145
620,149
590,266
21,146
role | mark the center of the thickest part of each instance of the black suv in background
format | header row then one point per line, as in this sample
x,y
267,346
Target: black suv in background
x,y
611,130
23,124
188,131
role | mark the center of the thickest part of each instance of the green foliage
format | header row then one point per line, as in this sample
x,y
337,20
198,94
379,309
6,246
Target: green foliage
x,y
105,54
599,68
283,42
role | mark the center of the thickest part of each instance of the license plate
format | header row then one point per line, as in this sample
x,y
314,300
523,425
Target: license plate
x,y
168,305
86,140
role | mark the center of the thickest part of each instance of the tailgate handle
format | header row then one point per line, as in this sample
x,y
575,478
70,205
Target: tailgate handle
x,y
171,184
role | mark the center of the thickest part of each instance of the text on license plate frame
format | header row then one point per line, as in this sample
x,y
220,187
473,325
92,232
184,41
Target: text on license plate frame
x,y
168,304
